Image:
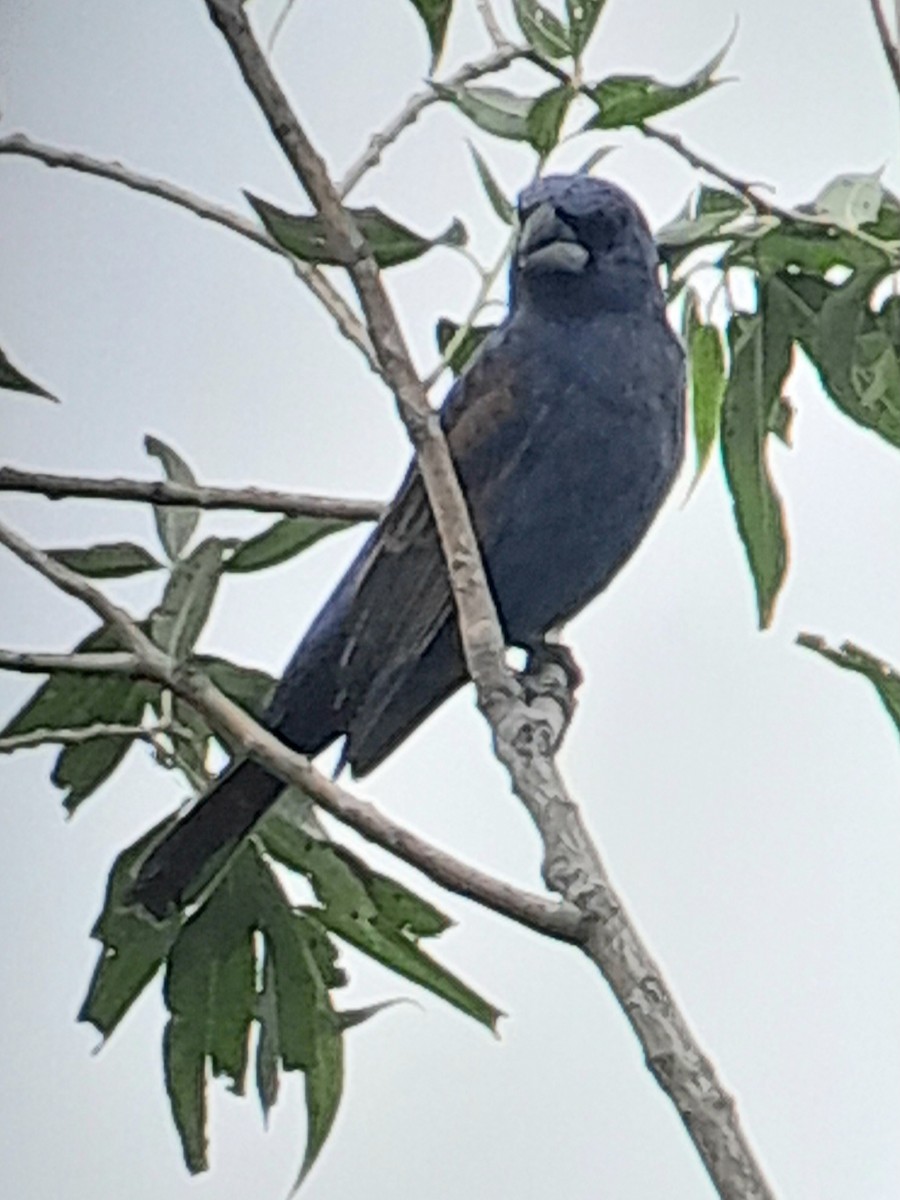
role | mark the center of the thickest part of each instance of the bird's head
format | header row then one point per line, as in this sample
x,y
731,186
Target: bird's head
x,y
583,245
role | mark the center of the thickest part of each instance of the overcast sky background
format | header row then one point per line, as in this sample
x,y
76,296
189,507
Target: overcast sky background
x,y
743,792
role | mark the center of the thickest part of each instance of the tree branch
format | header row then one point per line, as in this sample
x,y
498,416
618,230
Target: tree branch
x,y
346,320
68,487
490,22
526,733
479,627
111,662
74,737
888,45
560,921
503,55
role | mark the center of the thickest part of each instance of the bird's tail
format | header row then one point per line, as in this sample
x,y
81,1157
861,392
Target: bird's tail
x,y
216,824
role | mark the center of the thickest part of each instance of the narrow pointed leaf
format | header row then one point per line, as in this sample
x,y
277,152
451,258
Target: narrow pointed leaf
x,y
13,379
175,525
113,560
880,674
543,31
283,540
210,991
70,700
446,330
179,619
546,116
134,945
706,359
493,109
435,16
583,15
391,243
374,913
503,207
760,352
633,99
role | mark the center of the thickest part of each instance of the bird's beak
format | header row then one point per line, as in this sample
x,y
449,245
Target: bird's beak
x,y
547,243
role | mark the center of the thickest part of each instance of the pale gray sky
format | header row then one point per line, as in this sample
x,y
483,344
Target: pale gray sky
x,y
744,793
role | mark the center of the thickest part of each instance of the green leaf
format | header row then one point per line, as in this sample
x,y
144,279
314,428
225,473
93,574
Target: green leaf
x,y
857,354
134,945
246,686
699,224
303,1029
112,560
880,674
446,330
390,242
80,769
70,700
503,207
373,913
178,620
268,1045
175,526
706,359
493,109
435,15
210,991
633,99
850,201
546,116
760,351
283,540
809,247
583,15
13,379
543,31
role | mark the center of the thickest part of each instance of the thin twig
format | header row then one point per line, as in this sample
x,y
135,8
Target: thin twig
x,y
490,22
556,920
741,186
74,737
113,662
888,45
346,320
67,487
379,142
488,279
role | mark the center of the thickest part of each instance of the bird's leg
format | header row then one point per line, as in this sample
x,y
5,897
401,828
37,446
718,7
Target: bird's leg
x,y
551,673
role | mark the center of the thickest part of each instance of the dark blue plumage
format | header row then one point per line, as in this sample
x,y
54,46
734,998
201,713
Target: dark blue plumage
x,y
567,432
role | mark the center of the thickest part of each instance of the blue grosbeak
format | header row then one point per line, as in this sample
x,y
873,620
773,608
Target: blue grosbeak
x,y
567,430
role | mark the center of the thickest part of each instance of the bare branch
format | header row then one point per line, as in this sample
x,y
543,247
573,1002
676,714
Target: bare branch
x,y
346,320
491,24
73,737
741,186
479,627
112,662
503,55
237,728
67,487
888,45
152,658
573,868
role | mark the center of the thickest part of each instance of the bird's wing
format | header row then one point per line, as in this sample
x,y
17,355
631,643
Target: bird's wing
x,y
402,599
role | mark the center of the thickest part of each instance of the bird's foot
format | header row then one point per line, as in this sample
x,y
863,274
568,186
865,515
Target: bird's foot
x,y
551,673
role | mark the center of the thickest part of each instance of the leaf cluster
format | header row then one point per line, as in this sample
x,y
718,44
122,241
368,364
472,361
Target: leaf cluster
x,y
245,957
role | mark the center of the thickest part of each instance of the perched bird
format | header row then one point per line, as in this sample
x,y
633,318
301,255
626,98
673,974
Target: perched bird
x,y
567,430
